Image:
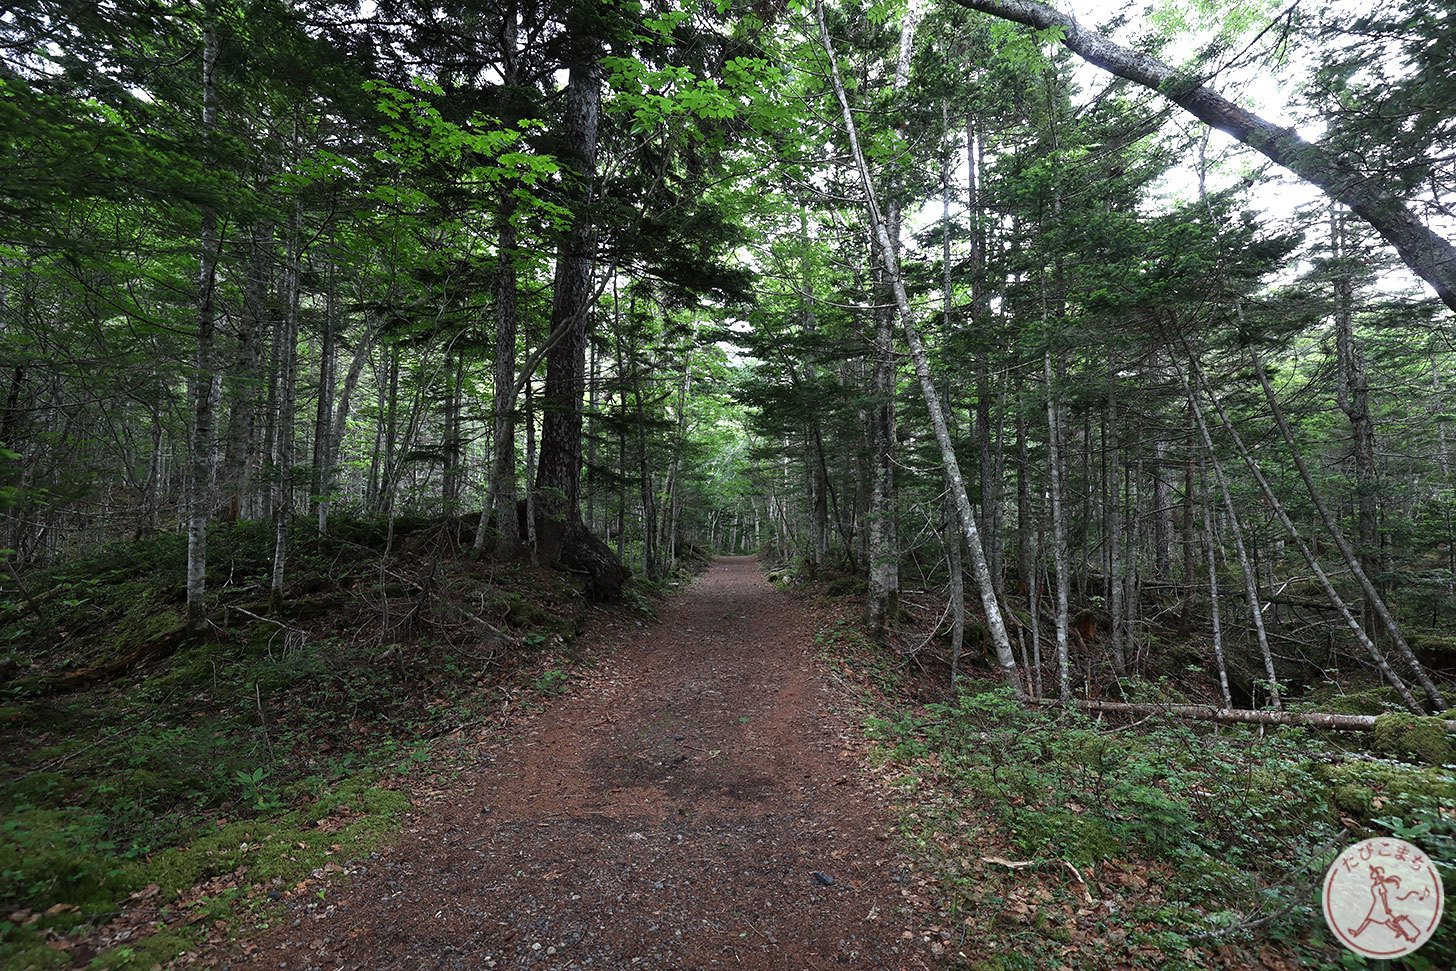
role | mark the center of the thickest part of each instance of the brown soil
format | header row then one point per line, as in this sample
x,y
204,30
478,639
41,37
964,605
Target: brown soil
x,y
685,807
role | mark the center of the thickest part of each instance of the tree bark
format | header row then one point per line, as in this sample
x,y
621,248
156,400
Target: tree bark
x,y
323,421
1005,657
199,506
1251,582
1354,400
287,403
501,505
1162,512
1213,604
558,473
244,378
1113,476
1060,556
1429,255
339,422
883,552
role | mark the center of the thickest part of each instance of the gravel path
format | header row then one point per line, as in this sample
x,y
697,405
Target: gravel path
x,y
696,803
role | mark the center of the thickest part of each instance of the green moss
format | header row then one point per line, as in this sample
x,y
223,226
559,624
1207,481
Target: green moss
x,y
846,586
55,855
43,789
1085,839
144,620
1366,790
1413,738
148,952
32,954
286,848
1371,701
521,612
61,855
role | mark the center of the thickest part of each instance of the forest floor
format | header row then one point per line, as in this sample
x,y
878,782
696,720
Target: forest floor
x,y
737,777
694,802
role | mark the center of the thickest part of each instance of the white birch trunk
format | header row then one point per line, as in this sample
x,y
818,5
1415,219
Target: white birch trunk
x,y
1005,657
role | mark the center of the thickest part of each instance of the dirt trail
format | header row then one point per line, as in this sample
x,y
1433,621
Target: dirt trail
x,y
670,813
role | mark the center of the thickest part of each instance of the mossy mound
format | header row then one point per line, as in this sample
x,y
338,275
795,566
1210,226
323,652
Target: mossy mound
x,y
846,586
1413,738
1370,701
1369,790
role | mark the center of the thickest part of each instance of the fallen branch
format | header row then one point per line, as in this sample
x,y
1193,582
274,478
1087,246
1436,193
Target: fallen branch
x,y
1232,716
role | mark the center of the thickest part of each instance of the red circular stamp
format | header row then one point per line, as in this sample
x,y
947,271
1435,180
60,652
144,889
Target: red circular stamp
x,y
1383,897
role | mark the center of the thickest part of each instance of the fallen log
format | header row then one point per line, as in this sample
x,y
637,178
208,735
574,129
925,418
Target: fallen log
x,y
1231,716
153,650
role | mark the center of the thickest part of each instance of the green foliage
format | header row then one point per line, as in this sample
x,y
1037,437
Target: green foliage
x,y
229,753
1238,824
551,682
255,794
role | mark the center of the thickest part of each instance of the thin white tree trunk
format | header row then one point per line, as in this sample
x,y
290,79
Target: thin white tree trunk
x,y
1213,605
199,492
1336,601
1251,585
1060,556
287,402
1005,657
1352,559
1113,475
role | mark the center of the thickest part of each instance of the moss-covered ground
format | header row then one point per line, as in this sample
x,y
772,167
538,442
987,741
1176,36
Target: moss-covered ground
x,y
143,809
1056,840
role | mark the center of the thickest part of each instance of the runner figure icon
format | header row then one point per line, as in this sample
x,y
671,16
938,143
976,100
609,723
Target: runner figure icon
x,y
1381,887
1383,898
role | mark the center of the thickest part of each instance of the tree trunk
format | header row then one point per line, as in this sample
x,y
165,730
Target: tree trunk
x,y
245,377
1189,538
287,403
1060,554
323,421
452,452
883,551
501,505
1251,583
1005,657
1332,526
199,505
1354,399
558,474
1213,604
1237,716
340,421
531,535
1162,512
1113,476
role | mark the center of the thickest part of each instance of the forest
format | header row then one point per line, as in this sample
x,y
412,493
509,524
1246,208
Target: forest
x,y
1088,361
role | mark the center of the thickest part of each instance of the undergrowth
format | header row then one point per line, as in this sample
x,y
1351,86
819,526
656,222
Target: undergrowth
x,y
1056,840
218,776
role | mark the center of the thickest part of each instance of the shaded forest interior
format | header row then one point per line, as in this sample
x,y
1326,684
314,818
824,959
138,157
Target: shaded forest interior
x,y
350,352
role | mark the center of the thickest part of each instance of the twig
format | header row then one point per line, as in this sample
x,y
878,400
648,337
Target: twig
x,y
266,620
263,721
